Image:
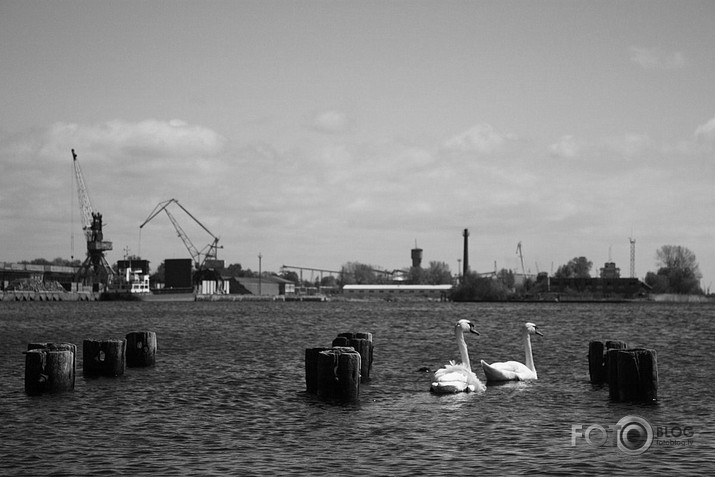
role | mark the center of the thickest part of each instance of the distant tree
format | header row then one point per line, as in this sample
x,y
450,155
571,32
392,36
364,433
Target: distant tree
x,y
329,281
234,270
291,276
678,257
506,277
577,267
678,271
159,276
357,273
416,276
438,274
476,288
60,262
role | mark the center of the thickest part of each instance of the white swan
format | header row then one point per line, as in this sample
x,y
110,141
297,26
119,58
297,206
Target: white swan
x,y
457,378
514,370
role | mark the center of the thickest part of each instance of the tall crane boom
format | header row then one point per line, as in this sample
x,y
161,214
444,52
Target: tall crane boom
x,y
209,252
85,203
521,257
94,270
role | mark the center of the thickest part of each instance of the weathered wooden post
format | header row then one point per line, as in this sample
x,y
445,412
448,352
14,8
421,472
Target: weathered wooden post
x,y
49,367
596,369
612,373
339,374
637,375
311,369
342,341
363,345
611,344
141,349
598,359
362,342
104,358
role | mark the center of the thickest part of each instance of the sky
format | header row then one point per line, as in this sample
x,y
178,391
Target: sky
x,y
316,133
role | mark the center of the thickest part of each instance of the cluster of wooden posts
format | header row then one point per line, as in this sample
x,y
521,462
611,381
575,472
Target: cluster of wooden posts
x,y
335,373
50,367
631,374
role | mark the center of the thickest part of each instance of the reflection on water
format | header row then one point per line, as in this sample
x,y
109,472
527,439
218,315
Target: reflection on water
x,y
227,395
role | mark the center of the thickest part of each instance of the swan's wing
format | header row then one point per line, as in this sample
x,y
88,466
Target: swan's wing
x,y
455,378
507,371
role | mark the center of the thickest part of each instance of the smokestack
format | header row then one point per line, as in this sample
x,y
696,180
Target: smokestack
x,y
465,266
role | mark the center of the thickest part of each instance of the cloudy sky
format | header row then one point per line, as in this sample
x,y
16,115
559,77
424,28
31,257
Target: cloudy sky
x,y
319,132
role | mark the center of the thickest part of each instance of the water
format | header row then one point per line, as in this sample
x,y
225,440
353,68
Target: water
x,y
227,395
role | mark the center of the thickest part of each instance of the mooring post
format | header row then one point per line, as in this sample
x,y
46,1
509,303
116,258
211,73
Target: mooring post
x,y
49,367
362,342
311,369
104,358
339,374
363,345
596,369
141,348
637,375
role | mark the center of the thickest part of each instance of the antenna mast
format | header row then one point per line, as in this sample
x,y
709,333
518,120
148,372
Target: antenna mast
x,y
633,256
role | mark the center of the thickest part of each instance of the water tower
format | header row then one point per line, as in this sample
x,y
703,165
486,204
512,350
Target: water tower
x,y
416,257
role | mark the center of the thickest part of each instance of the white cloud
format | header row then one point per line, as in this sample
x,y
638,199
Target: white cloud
x,y
567,147
482,138
629,145
331,122
144,139
654,58
706,131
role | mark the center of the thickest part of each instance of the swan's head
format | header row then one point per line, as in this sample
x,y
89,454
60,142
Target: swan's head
x,y
465,326
531,329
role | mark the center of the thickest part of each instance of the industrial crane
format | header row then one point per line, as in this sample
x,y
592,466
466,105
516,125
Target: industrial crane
x,y
208,252
94,270
521,257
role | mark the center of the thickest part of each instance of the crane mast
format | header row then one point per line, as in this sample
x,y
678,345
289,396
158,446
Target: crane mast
x,y
94,271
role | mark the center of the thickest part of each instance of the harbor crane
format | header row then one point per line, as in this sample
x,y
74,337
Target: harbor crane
x,y
521,257
94,271
200,257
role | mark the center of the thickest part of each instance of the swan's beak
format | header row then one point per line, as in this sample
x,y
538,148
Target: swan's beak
x,y
538,332
472,330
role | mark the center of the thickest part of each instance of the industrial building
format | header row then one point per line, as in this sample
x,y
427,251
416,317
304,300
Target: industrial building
x,y
608,285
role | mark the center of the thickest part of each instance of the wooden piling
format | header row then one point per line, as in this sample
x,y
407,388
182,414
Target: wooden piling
x,y
596,369
49,367
637,378
141,349
362,342
611,344
339,374
612,373
341,341
104,358
598,359
311,369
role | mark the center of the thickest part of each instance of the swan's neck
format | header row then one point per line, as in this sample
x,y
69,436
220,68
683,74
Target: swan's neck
x,y
463,348
529,357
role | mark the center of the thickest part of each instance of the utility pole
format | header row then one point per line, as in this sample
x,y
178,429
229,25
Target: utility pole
x,y
465,271
260,257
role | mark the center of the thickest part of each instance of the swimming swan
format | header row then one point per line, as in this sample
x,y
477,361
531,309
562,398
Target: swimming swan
x,y
514,370
457,378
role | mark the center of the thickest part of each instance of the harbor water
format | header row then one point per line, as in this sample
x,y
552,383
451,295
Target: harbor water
x,y
227,394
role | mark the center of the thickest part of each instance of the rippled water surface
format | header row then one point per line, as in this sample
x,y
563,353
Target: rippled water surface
x,y
227,395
